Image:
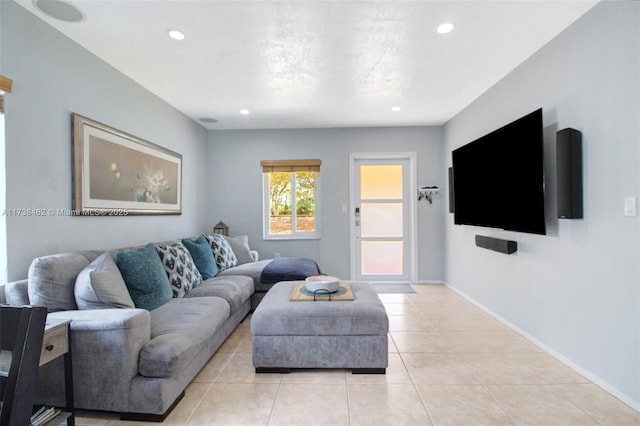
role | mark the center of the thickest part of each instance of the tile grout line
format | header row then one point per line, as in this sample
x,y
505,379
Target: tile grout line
x,y
346,385
574,404
199,403
415,387
213,382
273,405
499,404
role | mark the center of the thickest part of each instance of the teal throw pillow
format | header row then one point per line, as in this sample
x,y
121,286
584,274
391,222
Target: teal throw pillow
x,y
202,256
145,277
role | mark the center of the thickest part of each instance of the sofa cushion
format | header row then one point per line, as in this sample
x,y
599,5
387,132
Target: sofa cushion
x,y
145,277
180,268
202,256
179,330
222,251
101,286
252,270
240,247
52,279
234,289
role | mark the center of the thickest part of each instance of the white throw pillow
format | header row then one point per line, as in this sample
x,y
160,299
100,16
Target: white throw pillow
x,y
100,285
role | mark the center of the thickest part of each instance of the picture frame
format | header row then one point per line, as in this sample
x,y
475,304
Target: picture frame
x,y
118,174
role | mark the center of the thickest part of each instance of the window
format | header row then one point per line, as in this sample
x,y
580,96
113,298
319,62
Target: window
x,y
291,191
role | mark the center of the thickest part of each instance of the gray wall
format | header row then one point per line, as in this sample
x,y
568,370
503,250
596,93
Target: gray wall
x,y
575,290
54,77
235,187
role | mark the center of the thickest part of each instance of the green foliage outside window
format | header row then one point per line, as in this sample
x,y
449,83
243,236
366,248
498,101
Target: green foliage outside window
x,y
280,202
280,193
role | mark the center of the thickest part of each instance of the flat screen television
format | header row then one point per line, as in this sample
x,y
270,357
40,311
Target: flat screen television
x,y
498,179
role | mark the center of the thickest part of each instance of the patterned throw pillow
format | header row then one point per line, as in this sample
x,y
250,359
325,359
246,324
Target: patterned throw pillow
x,y
222,252
182,272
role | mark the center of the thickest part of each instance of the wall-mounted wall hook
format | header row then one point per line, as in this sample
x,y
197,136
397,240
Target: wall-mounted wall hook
x,y
427,192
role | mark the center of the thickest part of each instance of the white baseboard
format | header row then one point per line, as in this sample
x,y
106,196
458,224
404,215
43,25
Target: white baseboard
x,y
566,361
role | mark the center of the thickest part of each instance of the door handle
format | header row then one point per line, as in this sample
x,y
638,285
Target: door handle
x,y
357,214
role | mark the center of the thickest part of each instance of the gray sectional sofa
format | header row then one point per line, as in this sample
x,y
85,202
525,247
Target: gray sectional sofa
x,y
126,359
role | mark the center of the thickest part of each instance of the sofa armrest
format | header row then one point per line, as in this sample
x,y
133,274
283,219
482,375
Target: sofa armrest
x,y
16,293
254,255
106,319
106,345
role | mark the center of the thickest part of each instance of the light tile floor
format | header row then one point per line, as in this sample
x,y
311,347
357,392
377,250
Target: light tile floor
x,y
449,364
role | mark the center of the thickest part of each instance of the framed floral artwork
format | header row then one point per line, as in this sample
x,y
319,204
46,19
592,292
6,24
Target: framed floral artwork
x,y
115,173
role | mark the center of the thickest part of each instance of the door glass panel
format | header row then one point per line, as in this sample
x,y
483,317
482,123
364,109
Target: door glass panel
x,y
381,220
380,182
381,257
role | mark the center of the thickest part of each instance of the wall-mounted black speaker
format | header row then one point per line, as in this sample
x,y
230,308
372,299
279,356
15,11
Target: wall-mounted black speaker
x,y
569,173
496,244
452,204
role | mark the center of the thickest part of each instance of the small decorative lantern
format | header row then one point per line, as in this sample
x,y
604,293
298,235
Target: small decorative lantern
x,y
221,228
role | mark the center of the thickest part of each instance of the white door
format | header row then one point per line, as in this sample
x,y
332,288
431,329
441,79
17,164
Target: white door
x,y
382,217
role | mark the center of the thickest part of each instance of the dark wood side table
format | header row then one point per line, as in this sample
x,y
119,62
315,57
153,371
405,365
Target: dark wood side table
x,y
55,344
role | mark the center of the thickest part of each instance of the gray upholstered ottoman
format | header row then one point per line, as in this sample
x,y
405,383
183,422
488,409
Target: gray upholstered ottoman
x,y
322,334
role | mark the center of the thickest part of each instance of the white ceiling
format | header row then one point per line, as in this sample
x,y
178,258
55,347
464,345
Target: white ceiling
x,y
298,64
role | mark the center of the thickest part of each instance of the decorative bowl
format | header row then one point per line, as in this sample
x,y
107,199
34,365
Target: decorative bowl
x,y
322,282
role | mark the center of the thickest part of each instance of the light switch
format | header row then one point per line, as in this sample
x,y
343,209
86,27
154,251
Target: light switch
x,y
630,206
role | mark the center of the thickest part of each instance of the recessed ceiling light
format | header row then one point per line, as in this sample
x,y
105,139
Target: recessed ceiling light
x,y
244,111
208,120
176,35
61,10
395,109
445,28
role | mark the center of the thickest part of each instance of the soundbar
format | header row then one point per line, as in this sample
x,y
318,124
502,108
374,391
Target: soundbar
x,y
496,244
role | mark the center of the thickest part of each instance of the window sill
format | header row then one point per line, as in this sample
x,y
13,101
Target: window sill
x,y
290,237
